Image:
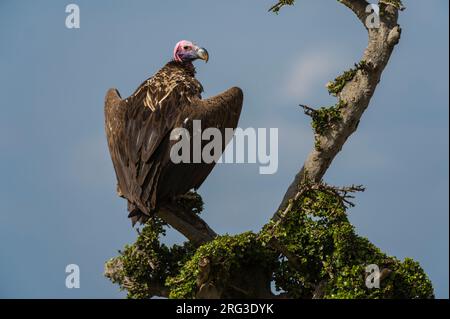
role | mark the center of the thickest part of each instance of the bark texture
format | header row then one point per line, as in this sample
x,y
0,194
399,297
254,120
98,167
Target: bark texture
x,y
356,93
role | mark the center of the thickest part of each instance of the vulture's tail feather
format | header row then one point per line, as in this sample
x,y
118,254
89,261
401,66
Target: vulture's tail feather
x,y
137,216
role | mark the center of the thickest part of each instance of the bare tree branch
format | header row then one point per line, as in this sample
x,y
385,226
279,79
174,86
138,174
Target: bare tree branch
x,y
280,4
358,7
356,94
190,225
308,110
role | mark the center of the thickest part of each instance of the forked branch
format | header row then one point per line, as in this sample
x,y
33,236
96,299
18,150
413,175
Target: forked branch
x,y
355,91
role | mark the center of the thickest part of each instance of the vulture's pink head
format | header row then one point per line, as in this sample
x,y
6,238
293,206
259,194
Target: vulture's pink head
x,y
186,51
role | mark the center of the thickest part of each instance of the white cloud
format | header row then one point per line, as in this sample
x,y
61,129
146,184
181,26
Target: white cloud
x,y
311,71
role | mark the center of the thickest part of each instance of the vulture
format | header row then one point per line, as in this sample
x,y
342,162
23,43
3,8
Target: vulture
x,y
138,130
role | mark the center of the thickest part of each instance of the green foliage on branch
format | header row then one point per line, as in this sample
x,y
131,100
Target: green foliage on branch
x,y
225,256
335,87
328,252
147,263
324,117
312,245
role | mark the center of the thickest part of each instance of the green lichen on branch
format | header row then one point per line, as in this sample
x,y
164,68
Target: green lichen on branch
x,y
324,250
218,262
315,247
335,87
142,268
324,117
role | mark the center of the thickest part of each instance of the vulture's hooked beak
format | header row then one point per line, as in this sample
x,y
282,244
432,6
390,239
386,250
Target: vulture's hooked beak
x,y
203,54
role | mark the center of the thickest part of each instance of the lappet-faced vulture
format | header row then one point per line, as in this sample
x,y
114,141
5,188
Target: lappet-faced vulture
x,y
139,129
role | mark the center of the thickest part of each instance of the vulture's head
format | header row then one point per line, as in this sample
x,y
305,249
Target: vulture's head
x,y
186,51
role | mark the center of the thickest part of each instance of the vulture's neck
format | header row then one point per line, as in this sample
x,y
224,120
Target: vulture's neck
x,y
187,67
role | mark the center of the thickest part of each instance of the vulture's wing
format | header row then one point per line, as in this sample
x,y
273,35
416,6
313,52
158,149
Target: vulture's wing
x,y
115,112
222,112
135,129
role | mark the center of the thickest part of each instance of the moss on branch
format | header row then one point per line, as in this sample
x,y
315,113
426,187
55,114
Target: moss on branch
x,y
145,265
316,246
327,250
335,87
324,117
226,256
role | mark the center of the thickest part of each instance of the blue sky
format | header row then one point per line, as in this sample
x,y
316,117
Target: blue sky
x,y
57,185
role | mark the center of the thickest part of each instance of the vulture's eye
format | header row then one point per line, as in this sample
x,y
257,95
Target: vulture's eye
x,y
186,47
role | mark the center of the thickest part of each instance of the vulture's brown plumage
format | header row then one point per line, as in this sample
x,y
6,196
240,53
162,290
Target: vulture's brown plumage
x,y
138,131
